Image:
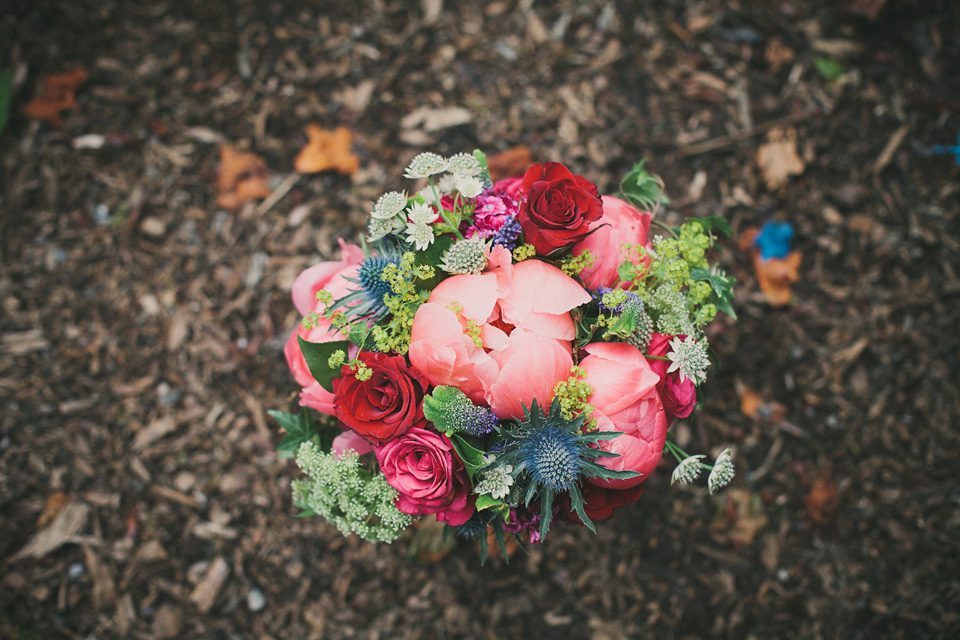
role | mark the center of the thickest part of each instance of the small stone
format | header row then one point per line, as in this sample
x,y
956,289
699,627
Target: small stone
x,y
101,214
75,571
256,600
153,227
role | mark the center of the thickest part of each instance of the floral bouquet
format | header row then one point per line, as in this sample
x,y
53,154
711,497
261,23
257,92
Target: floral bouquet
x,y
502,354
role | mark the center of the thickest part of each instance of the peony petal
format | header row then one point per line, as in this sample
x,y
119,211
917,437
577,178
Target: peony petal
x,y
350,440
529,368
317,277
477,294
542,287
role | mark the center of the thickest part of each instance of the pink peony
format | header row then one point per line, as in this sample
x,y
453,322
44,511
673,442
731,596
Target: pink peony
x,y
423,466
620,225
523,315
679,397
325,276
626,400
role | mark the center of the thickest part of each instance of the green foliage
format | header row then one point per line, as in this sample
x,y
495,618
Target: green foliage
x,y
303,427
722,286
828,68
317,355
642,189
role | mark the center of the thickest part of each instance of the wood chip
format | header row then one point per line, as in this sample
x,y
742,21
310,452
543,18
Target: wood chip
x,y
205,593
70,521
156,430
104,587
891,147
24,342
431,120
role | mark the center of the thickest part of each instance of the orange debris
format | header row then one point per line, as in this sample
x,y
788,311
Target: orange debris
x,y
242,177
327,151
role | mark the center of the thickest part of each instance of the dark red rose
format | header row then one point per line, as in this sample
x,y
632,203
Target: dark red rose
x,y
558,207
679,398
598,503
385,405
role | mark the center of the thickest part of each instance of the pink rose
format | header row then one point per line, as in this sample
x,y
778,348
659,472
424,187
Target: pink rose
x,y
620,225
522,312
626,400
679,398
423,466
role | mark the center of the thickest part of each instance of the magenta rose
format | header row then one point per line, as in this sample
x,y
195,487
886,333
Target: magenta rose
x,y
679,397
558,208
385,405
423,466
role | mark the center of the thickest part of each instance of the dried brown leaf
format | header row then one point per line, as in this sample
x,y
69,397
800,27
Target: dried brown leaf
x,y
58,94
55,502
327,151
822,500
510,163
778,159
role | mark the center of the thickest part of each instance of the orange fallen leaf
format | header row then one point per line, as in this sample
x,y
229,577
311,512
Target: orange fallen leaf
x,y
754,406
242,177
778,159
822,500
327,151
776,275
55,502
510,163
58,94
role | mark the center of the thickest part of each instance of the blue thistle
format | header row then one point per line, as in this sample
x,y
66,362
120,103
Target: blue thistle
x,y
552,457
509,234
550,454
367,300
475,527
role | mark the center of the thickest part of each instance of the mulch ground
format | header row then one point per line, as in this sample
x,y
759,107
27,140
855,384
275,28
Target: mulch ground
x,y
141,325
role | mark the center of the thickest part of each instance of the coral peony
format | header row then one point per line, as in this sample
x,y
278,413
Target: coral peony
x,y
626,400
620,225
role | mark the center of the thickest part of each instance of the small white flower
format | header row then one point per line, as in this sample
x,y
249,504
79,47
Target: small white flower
x,y
468,186
378,229
466,256
688,470
421,235
723,471
425,165
496,482
689,358
421,213
446,184
389,205
464,164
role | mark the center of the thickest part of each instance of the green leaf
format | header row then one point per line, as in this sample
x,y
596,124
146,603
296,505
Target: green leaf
x,y
298,432
471,457
485,502
642,189
481,157
317,355
6,90
722,286
718,223
828,68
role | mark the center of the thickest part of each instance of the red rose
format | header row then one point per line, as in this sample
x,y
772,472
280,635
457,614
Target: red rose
x,y
385,405
599,503
423,467
558,208
679,398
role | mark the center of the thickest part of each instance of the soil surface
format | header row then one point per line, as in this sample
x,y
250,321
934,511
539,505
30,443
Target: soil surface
x,y
141,325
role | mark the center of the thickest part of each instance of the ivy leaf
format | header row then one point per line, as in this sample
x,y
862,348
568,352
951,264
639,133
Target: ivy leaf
x,y
317,355
6,81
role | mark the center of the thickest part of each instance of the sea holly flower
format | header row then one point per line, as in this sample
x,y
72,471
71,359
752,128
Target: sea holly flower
x,y
688,470
689,357
425,165
722,472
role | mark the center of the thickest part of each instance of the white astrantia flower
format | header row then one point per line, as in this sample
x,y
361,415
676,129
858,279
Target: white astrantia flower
x,y
690,358
688,470
464,164
447,183
420,234
389,205
496,482
466,256
378,229
425,165
468,186
722,472
421,213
